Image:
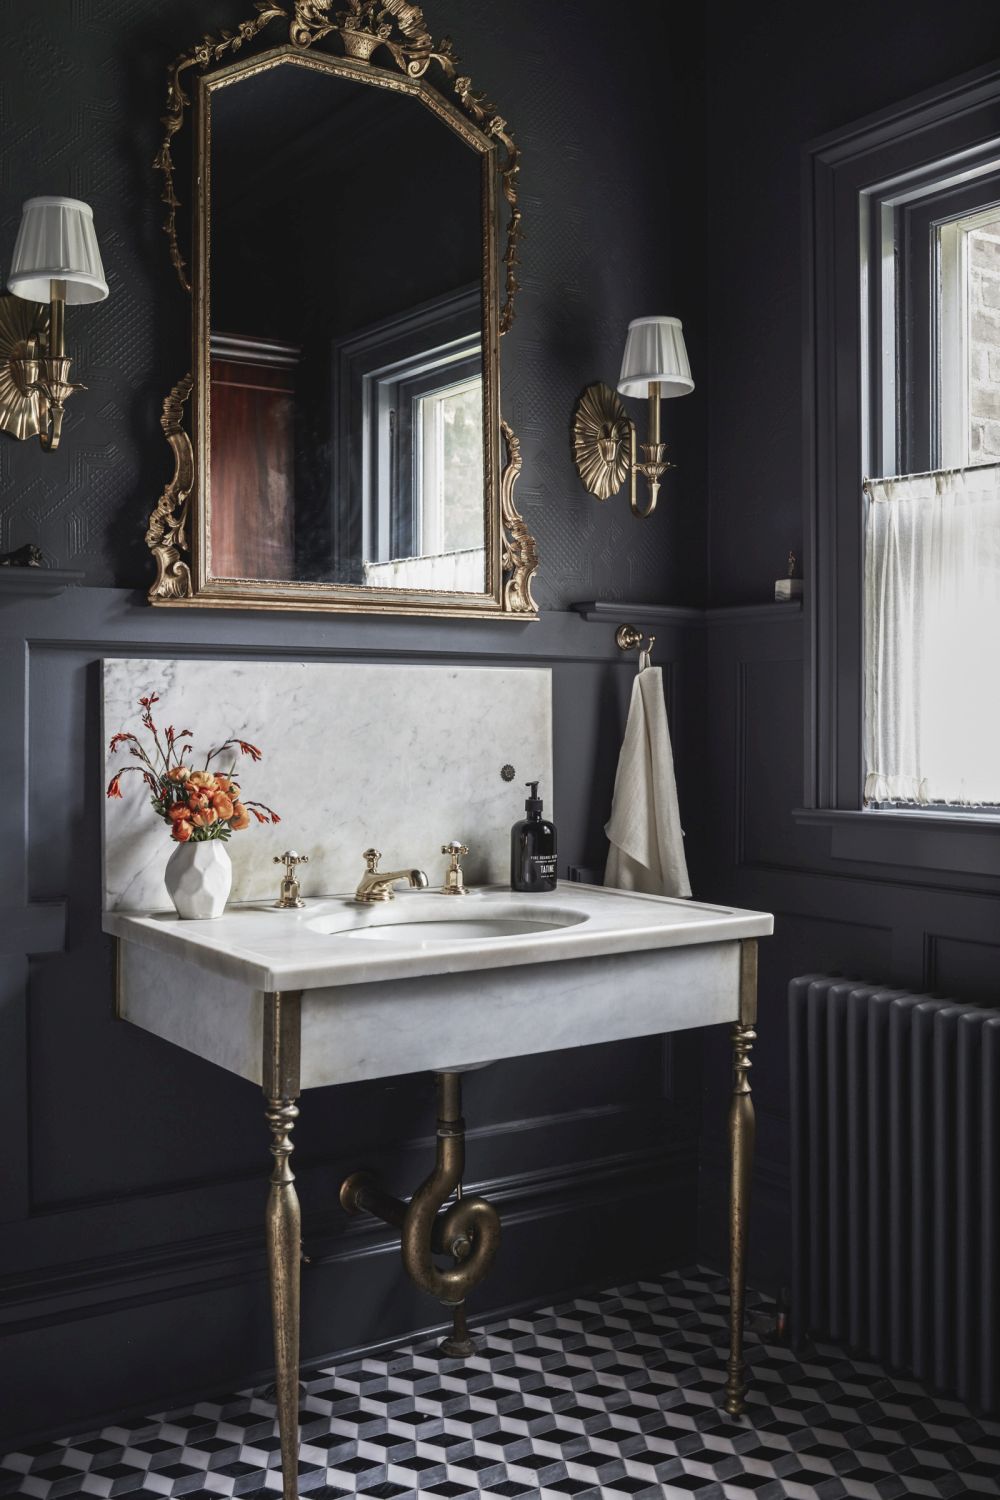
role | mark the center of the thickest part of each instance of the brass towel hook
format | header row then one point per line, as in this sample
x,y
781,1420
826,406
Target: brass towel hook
x,y
628,638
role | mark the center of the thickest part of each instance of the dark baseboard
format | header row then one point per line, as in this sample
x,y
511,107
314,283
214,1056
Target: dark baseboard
x,y
165,1335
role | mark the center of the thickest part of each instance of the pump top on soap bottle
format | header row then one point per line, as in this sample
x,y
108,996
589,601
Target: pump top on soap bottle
x,y
533,864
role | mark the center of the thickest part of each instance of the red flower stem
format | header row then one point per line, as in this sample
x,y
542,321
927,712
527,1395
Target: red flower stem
x,y
140,754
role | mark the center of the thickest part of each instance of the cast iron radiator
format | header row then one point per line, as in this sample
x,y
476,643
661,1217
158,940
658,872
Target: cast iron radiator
x,y
895,1132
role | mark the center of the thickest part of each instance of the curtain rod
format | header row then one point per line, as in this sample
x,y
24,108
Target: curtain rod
x,y
866,483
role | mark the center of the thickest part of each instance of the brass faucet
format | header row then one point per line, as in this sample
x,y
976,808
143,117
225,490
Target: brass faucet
x,y
376,884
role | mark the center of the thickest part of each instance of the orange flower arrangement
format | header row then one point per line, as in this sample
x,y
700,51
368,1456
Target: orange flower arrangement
x,y
196,805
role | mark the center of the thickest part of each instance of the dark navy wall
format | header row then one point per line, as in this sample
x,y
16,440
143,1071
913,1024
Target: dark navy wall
x,y
131,1257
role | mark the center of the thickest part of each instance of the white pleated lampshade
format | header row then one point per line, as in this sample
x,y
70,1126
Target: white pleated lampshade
x,y
56,242
654,350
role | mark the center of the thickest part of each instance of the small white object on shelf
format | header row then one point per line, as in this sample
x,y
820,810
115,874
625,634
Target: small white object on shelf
x,y
789,587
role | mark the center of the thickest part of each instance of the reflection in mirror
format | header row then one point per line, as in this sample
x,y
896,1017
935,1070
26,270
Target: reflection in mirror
x,y
346,405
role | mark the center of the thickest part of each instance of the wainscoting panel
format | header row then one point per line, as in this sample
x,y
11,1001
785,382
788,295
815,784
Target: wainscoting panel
x,y
769,695
960,966
134,1202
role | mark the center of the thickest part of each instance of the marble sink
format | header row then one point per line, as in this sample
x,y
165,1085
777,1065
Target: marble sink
x,y
425,980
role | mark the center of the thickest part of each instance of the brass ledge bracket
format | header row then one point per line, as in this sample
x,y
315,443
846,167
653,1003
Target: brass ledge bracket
x,y
468,1230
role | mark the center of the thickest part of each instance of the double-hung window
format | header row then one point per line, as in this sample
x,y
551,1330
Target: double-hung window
x,y
932,529
903,462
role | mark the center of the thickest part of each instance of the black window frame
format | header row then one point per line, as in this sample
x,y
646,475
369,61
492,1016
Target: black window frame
x,y
392,504
851,179
358,361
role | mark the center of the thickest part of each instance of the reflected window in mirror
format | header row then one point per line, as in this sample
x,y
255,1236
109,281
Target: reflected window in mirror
x,y
411,426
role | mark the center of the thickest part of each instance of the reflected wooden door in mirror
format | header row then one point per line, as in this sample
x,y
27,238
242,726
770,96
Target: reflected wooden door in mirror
x,y
351,281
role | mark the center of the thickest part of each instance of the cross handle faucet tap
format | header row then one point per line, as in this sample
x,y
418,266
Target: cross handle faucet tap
x,y
454,882
291,896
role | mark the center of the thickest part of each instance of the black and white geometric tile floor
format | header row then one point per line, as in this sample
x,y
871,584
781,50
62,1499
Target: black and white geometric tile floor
x,y
614,1395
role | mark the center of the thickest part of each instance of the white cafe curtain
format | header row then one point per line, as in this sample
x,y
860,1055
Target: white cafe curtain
x,y
932,638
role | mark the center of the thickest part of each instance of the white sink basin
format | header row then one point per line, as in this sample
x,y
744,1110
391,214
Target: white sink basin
x,y
459,929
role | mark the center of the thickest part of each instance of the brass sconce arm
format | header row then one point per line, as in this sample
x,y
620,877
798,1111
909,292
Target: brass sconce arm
x,y
655,463
606,447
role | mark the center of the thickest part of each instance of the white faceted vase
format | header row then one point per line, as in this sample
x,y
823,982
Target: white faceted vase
x,y
199,877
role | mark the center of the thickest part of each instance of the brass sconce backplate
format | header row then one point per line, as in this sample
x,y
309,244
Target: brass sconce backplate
x,y
601,438
20,323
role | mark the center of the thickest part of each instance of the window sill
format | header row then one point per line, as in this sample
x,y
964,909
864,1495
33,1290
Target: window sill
x,y
924,841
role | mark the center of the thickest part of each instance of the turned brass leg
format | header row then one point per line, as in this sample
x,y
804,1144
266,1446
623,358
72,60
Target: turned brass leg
x,y
741,1140
284,1251
284,1231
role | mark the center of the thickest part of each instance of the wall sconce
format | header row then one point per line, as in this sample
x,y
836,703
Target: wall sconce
x,y
605,446
56,260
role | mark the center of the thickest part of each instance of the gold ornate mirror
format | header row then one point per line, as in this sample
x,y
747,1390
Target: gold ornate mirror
x,y
338,442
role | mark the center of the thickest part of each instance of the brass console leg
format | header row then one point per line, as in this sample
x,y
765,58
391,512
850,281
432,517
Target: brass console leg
x,y
741,1140
284,1251
284,1224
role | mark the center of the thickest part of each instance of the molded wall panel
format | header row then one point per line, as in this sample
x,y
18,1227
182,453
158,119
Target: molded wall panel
x,y
137,1172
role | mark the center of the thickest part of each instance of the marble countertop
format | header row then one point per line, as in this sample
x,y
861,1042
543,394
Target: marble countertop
x,y
331,940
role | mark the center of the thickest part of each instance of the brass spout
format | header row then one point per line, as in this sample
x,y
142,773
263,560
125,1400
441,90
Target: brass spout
x,y
376,884
470,1219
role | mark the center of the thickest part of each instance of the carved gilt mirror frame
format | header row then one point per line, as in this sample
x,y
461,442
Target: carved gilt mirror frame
x,y
385,42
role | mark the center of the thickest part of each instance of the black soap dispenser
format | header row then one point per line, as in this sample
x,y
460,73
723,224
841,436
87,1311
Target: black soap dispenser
x,y
533,848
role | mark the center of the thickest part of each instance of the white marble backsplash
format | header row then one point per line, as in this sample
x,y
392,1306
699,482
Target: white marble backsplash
x,y
402,758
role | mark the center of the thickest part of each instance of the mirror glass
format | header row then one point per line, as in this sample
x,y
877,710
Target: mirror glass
x,y
343,408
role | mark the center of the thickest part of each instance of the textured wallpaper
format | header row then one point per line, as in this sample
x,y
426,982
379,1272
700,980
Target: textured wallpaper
x,y
612,189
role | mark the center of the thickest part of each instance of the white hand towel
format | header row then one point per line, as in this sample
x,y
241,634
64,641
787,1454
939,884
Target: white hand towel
x,y
647,843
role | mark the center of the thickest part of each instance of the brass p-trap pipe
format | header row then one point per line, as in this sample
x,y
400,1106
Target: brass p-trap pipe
x,y
472,1220
468,1231
362,1193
